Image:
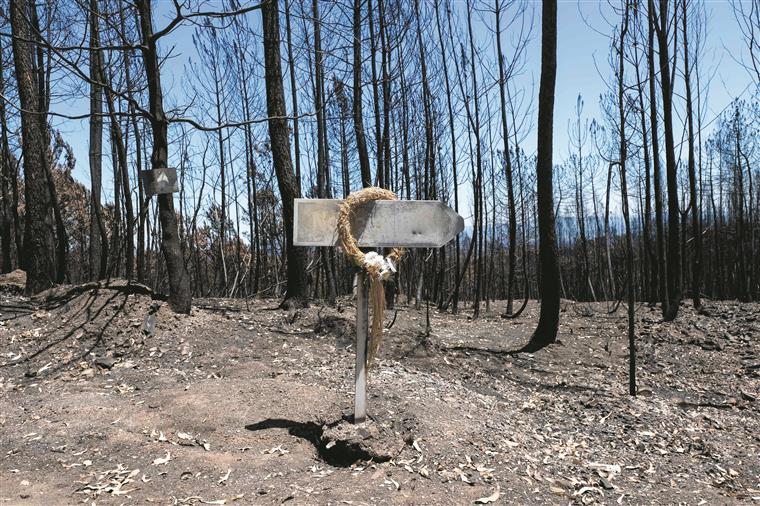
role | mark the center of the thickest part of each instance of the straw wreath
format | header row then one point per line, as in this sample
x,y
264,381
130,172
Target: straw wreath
x,y
379,268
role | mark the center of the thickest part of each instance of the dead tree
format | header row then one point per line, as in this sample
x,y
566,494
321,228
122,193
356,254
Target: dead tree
x,y
279,135
180,297
452,136
548,322
293,96
651,264
694,205
507,164
674,250
477,180
10,223
662,266
361,139
98,235
324,185
623,153
38,227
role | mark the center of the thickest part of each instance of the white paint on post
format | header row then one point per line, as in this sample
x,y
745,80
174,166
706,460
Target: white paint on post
x,y
362,317
379,224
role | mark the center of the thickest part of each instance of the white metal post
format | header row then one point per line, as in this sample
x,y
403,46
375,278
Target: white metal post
x,y
362,317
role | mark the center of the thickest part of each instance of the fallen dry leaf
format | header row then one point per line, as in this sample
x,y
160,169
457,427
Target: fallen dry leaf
x,y
162,460
276,449
491,498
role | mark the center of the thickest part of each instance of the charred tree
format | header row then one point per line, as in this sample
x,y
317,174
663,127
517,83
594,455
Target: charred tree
x,y
657,170
507,164
279,135
674,250
180,297
549,287
694,207
361,139
98,234
38,248
623,150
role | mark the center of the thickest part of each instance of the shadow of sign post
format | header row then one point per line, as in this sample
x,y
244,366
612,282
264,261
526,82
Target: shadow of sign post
x,y
377,224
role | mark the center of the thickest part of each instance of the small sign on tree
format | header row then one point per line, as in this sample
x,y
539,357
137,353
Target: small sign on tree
x,y
159,181
374,224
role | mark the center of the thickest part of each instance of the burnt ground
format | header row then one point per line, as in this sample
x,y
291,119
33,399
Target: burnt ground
x,y
107,397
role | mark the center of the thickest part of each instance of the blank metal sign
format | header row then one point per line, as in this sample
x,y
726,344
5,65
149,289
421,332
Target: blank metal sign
x,y
382,223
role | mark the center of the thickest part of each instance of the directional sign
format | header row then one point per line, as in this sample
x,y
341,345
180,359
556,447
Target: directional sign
x,y
381,223
158,181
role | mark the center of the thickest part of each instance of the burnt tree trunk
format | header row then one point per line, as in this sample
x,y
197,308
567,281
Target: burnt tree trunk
x,y
625,203
696,261
279,136
674,251
38,226
662,285
98,235
122,178
548,322
361,140
9,220
449,106
180,297
507,165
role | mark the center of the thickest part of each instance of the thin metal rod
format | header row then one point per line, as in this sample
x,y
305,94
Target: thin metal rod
x,y
362,317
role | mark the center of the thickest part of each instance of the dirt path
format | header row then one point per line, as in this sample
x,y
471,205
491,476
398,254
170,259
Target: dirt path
x,y
112,399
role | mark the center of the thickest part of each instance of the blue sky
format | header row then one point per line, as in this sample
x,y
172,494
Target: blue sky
x,y
582,68
582,61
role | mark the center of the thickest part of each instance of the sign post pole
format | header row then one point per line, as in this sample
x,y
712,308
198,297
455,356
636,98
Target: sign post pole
x,y
362,317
